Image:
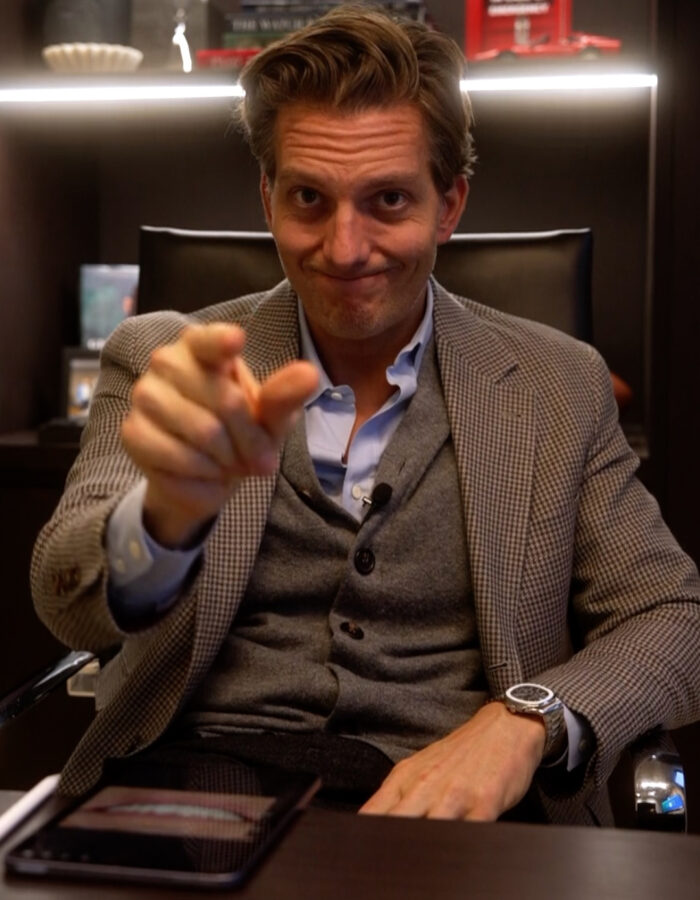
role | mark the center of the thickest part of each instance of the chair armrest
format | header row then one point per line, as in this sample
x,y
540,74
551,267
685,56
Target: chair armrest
x,y
41,684
659,783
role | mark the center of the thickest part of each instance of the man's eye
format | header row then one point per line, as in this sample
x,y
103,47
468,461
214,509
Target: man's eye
x,y
306,196
392,199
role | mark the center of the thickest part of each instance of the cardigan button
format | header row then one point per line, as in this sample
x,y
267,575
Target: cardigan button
x,y
364,561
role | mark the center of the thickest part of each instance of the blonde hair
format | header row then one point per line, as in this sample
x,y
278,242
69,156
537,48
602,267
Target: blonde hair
x,y
355,58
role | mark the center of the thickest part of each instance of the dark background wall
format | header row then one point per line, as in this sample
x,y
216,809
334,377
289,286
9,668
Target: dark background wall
x,y
676,310
46,195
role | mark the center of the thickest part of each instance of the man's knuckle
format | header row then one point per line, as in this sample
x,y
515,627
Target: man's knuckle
x,y
485,803
233,406
455,800
159,357
127,429
140,392
208,431
425,776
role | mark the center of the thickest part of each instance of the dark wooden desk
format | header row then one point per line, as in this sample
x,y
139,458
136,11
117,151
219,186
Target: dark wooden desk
x,y
337,856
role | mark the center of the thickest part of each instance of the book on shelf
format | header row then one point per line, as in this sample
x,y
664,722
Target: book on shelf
x,y
286,17
256,25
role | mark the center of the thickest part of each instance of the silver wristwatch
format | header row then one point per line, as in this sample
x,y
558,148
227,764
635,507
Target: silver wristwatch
x,y
536,700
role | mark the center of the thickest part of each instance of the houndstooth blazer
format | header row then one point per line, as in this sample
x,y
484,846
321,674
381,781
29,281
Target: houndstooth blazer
x,y
578,584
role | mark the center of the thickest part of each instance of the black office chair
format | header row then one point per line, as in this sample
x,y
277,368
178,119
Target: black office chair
x,y
544,276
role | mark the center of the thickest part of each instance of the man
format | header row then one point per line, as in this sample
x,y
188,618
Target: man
x,y
352,510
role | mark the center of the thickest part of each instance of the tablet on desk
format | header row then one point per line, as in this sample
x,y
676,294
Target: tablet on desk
x,y
206,825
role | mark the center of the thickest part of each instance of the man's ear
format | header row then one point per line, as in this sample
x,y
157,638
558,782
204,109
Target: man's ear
x,y
452,205
265,196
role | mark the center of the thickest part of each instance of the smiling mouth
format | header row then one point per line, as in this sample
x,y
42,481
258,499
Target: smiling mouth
x,y
362,276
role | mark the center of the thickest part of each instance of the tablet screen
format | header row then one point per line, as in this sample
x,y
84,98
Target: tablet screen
x,y
187,814
179,829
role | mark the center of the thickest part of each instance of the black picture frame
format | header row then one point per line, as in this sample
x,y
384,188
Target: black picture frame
x,y
80,370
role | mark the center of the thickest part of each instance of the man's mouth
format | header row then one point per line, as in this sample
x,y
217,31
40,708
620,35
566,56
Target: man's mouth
x,y
350,277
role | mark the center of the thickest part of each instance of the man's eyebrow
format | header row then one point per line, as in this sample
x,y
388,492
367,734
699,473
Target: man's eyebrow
x,y
392,179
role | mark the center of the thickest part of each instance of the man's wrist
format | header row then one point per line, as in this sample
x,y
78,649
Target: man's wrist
x,y
144,577
539,702
170,530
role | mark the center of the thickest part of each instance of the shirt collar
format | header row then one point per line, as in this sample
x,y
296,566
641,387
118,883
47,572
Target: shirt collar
x,y
408,358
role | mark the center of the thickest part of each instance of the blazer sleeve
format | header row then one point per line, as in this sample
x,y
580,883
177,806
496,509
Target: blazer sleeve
x,y
634,604
69,565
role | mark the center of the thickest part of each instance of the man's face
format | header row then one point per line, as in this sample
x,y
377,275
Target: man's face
x,y
357,220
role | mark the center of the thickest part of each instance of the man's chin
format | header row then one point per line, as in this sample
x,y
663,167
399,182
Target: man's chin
x,y
357,324
344,306
356,329
365,288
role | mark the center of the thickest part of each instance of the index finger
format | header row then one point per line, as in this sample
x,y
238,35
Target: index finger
x,y
383,801
214,344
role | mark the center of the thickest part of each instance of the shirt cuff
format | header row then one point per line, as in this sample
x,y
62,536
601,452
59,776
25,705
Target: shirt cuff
x,y
144,577
579,742
580,739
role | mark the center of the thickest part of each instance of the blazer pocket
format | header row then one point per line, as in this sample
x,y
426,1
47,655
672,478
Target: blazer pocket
x,y
550,549
557,523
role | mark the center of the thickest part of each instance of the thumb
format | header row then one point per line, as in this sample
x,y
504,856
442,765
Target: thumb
x,y
282,396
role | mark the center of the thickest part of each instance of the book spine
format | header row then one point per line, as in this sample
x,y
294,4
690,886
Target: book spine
x,y
250,24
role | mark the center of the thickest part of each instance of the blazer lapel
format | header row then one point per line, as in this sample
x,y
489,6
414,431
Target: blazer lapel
x,y
493,423
271,341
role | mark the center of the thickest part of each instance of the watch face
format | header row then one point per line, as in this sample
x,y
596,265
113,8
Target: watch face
x,y
530,693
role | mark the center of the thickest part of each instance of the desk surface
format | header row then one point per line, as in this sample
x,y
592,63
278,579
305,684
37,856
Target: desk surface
x,y
341,856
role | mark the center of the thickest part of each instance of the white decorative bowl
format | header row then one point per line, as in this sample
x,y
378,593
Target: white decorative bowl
x,y
91,58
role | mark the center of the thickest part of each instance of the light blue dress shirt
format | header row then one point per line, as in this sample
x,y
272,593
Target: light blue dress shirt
x,y
330,416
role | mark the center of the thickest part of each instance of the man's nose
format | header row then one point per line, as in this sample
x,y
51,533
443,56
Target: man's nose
x,y
346,242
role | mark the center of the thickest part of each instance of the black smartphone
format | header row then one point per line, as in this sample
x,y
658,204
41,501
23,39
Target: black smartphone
x,y
204,825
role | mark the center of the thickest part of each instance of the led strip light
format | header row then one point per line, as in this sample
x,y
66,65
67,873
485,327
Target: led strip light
x,y
138,93
610,82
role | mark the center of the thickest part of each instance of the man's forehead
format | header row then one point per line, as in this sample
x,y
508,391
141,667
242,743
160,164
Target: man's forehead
x,y
389,137
314,116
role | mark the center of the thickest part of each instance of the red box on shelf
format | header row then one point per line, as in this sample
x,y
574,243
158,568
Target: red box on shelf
x,y
225,58
513,29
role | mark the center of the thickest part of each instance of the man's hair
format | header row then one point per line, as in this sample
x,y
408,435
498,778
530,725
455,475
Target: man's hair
x,y
356,58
